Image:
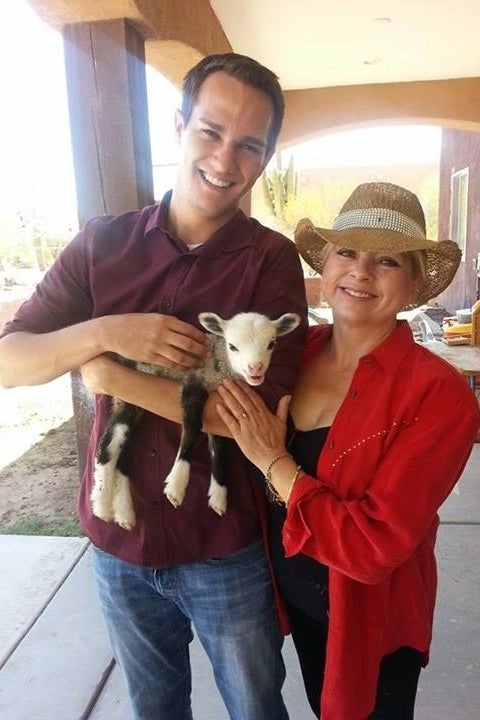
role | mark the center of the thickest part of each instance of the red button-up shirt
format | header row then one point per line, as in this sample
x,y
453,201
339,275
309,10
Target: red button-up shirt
x,y
397,446
129,263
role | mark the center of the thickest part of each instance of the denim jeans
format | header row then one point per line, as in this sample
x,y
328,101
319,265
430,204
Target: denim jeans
x,y
230,603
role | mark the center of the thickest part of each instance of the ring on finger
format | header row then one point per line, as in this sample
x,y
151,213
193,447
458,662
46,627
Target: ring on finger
x,y
244,415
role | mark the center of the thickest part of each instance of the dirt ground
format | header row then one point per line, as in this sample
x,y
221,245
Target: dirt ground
x,y
38,463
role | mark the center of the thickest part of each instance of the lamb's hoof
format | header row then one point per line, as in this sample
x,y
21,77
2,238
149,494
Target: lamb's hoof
x,y
102,513
176,502
174,495
217,497
176,482
101,506
123,511
125,517
125,524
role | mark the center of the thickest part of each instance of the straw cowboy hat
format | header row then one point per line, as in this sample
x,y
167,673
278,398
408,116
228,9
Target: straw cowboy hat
x,y
381,217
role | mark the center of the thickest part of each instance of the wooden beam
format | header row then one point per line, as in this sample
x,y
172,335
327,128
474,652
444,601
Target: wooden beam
x,y
107,97
108,117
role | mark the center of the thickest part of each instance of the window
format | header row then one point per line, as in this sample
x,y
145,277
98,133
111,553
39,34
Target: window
x,y
458,209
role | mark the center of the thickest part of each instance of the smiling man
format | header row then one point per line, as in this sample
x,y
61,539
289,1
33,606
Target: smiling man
x,y
224,144
134,285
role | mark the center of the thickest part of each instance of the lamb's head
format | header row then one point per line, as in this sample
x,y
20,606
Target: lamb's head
x,y
250,339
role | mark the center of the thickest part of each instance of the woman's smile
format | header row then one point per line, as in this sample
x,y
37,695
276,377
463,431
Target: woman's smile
x,y
355,293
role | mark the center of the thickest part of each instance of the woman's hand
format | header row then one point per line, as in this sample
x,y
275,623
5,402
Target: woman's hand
x,y
258,432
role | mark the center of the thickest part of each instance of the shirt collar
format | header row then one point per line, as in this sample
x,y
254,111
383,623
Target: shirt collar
x,y
229,237
389,354
393,350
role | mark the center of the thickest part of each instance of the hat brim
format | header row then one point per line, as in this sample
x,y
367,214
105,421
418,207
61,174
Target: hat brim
x,y
442,257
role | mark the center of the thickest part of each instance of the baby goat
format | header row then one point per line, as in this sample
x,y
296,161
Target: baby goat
x,y
241,347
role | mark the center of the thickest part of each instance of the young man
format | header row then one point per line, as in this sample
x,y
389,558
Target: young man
x,y
134,285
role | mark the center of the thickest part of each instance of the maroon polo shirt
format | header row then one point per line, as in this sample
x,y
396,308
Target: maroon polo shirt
x,y
130,263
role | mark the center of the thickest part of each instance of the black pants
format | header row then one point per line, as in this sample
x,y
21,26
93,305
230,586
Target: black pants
x,y
397,683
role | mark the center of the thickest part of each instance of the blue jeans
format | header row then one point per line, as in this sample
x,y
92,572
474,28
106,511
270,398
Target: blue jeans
x,y
230,603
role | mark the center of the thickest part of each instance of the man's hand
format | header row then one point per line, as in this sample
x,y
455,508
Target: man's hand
x,y
98,373
159,339
105,376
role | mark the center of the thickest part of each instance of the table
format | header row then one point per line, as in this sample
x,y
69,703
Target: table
x,y
466,358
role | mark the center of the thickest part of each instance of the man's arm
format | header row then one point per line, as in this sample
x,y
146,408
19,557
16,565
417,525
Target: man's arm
x,y
161,396
30,359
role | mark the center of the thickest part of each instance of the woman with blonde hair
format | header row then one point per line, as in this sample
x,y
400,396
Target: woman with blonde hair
x,y
375,437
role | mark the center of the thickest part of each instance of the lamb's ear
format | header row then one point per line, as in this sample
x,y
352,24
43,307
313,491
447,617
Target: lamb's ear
x,y
286,323
212,322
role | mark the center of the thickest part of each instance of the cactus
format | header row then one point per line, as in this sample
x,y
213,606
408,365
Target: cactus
x,y
280,186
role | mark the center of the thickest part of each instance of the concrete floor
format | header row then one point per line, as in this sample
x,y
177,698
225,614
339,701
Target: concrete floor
x,y
55,662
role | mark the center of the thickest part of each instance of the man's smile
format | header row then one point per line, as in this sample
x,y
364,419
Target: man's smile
x,y
216,182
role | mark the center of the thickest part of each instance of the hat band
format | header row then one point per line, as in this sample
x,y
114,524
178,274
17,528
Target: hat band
x,y
378,219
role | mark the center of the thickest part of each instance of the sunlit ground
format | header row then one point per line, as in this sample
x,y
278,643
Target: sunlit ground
x,y
28,413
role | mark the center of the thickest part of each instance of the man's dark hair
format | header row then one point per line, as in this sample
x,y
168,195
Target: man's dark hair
x,y
241,68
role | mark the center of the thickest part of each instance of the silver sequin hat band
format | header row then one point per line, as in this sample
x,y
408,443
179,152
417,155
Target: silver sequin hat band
x,y
378,219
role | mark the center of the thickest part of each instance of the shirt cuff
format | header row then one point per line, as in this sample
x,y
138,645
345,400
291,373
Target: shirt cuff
x,y
295,529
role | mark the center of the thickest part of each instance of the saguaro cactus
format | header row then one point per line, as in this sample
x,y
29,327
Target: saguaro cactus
x,y
280,186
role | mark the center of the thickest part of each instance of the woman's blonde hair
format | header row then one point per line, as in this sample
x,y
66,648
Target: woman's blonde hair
x,y
418,263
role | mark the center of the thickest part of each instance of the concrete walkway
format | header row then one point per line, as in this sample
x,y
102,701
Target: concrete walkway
x,y
55,662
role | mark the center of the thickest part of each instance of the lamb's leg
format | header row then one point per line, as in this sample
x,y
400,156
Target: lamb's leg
x,y
217,492
193,398
123,509
110,497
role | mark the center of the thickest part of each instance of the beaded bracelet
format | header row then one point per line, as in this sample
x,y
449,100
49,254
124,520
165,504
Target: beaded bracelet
x,y
268,471
272,492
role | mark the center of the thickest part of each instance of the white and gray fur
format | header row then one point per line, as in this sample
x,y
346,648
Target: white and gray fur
x,y
241,347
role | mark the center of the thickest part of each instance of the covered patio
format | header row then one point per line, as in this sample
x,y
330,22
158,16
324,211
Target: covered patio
x,y
55,661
